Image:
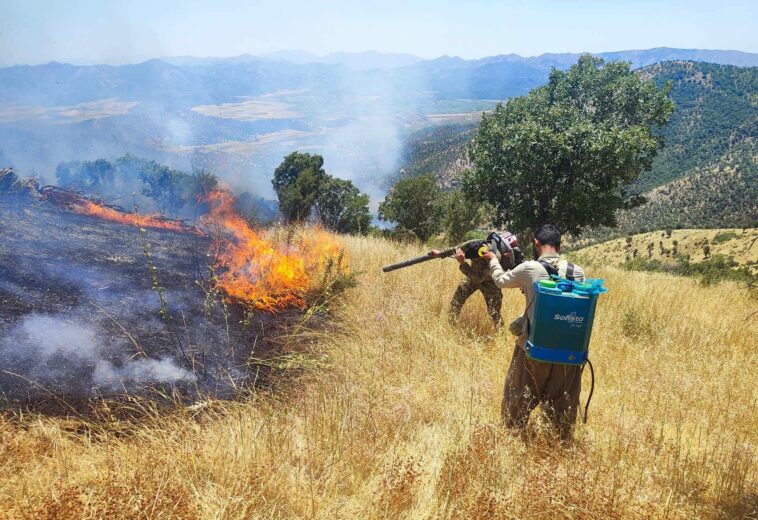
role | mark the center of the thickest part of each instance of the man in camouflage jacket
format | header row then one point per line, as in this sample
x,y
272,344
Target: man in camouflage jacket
x,y
477,278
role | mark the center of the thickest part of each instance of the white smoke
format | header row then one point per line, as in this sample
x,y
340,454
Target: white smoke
x,y
378,112
162,370
65,352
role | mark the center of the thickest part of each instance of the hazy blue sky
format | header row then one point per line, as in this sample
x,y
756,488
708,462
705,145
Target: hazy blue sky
x,y
119,31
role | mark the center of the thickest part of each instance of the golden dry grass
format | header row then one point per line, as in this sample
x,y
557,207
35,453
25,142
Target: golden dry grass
x,y
400,419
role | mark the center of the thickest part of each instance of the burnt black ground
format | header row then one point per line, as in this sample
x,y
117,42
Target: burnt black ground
x,y
80,271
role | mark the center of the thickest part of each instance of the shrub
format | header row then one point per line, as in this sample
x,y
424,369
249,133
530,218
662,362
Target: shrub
x,y
725,236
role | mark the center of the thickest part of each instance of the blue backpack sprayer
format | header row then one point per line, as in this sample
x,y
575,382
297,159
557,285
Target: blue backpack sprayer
x,y
564,312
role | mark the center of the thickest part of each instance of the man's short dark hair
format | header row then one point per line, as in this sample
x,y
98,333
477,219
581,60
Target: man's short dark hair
x,y
548,235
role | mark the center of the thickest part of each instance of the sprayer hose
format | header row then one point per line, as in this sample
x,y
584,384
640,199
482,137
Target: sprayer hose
x,y
592,389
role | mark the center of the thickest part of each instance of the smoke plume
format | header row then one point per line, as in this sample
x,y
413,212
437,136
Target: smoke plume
x,y
59,352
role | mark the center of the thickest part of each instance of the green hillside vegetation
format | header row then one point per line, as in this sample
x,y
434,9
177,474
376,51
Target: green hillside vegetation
x,y
438,150
704,177
723,194
716,108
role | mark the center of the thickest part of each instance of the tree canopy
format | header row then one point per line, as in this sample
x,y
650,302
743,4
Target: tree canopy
x,y
462,215
415,204
342,207
302,185
297,181
131,179
564,153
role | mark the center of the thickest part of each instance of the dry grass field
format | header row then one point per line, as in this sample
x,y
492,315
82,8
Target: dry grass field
x,y
394,413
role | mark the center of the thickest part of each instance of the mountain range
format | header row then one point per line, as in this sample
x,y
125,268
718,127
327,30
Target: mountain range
x,y
239,116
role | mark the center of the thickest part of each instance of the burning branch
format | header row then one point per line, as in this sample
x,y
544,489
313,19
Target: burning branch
x,y
78,203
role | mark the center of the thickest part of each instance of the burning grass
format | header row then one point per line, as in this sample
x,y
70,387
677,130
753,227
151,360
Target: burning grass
x,y
268,273
399,419
81,205
96,301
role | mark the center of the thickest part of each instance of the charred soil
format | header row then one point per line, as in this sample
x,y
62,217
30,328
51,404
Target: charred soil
x,y
92,308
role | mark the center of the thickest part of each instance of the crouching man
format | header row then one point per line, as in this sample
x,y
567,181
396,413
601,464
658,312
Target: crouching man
x,y
477,277
528,382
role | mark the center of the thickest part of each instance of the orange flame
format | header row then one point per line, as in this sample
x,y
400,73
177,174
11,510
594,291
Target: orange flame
x,y
87,207
256,270
259,271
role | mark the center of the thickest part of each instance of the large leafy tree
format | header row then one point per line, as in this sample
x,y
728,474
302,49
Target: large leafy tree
x,y
342,207
564,153
415,204
462,215
297,181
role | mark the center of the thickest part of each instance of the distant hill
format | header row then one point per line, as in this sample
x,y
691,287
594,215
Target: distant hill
x,y
354,60
716,109
438,149
721,194
182,80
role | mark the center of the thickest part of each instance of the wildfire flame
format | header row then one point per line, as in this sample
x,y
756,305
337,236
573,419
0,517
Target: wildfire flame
x,y
261,271
256,269
87,207
80,205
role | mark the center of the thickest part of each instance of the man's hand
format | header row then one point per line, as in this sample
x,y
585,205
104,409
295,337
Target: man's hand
x,y
460,256
489,256
435,253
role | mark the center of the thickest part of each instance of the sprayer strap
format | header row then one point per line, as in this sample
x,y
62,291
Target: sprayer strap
x,y
552,271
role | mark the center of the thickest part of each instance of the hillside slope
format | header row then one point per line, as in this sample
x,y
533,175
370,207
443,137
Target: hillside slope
x,y
739,244
439,149
722,194
716,109
397,416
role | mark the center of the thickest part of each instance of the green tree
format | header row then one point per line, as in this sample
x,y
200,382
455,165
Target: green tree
x,y
198,187
165,186
461,215
129,168
67,173
342,207
256,210
91,176
565,152
297,181
414,204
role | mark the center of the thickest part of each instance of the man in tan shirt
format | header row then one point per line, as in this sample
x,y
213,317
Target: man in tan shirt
x,y
529,383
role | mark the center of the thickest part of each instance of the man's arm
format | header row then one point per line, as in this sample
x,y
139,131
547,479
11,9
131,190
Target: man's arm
x,y
466,269
515,278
